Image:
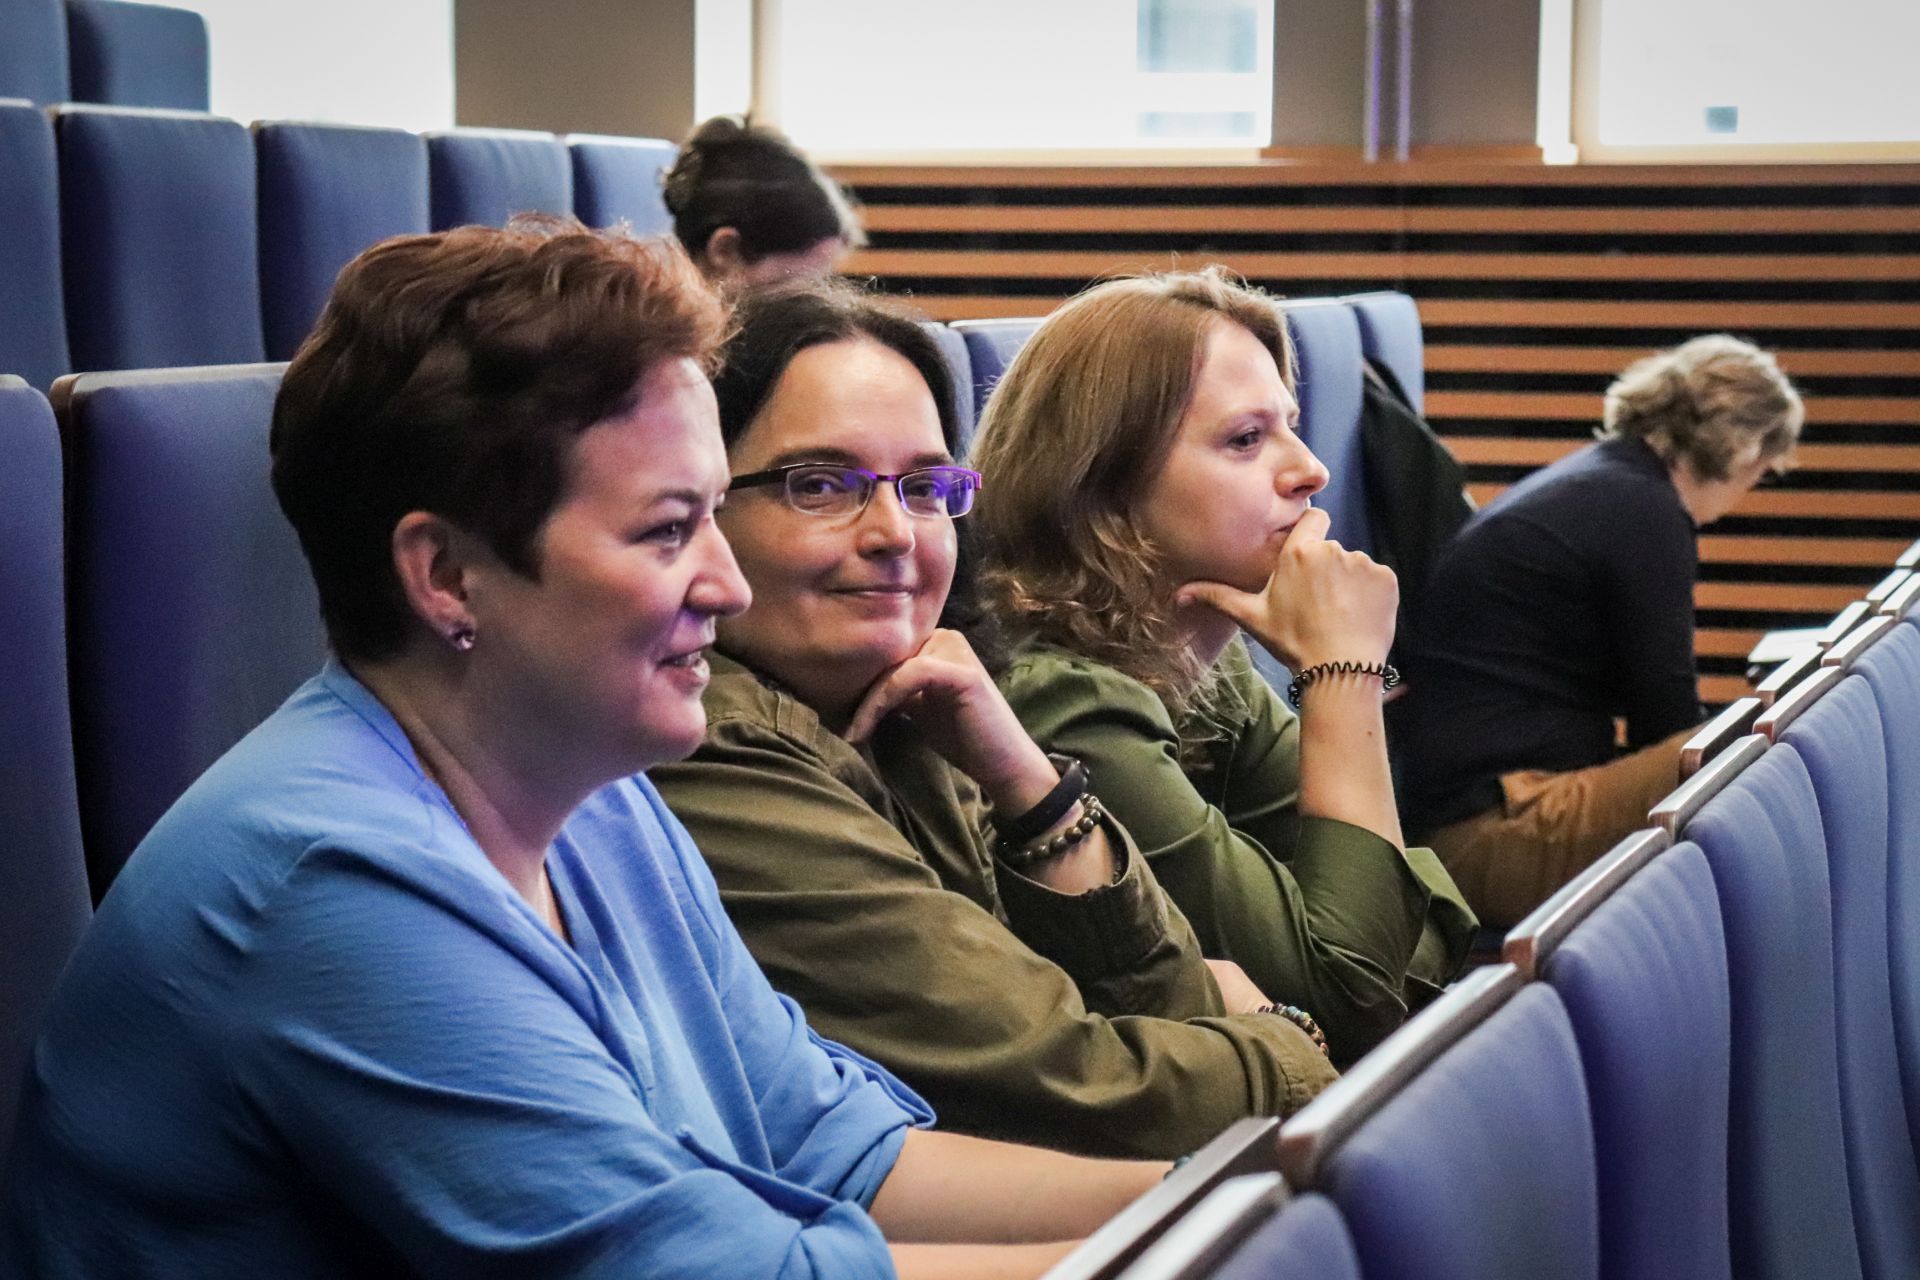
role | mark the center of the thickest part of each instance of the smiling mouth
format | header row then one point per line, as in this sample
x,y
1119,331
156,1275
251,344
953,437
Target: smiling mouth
x,y
690,659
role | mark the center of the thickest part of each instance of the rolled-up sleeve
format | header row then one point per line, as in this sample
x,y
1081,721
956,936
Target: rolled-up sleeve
x,y
1319,913
846,917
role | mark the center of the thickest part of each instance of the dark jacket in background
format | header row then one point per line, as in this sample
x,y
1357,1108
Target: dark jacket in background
x,y
1562,605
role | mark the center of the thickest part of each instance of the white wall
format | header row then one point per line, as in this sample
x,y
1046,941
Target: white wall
x,y
377,62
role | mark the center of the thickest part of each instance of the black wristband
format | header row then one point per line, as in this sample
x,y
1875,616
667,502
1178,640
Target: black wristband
x,y
1024,828
1389,676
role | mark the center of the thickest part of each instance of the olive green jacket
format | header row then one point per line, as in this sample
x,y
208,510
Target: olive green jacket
x,y
1319,913
862,881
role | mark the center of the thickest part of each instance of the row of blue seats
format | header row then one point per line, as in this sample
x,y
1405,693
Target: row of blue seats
x,y
1700,1059
141,239
106,51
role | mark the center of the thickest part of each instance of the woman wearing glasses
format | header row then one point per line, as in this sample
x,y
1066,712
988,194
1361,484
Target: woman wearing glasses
x,y
900,855
421,979
1147,498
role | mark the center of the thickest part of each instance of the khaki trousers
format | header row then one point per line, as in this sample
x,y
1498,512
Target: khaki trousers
x,y
1552,826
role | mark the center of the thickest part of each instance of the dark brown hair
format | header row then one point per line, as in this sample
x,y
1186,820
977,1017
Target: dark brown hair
x,y
775,325
733,174
451,373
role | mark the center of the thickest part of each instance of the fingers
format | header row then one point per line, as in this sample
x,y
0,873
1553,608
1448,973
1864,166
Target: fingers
x,y
1310,528
1243,607
884,698
944,661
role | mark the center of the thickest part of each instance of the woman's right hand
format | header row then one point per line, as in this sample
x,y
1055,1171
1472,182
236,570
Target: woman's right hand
x,y
1322,603
956,707
1236,988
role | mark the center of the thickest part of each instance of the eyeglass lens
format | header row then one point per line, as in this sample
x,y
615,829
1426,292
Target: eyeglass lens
x,y
831,490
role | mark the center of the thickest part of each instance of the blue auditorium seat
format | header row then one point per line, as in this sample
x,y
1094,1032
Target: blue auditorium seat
x,y
485,176
1390,336
960,365
1788,1201
1892,671
137,55
991,347
192,610
1137,1231
1327,338
1460,1148
33,317
618,180
1841,740
33,53
43,879
326,193
1306,1240
1644,980
157,216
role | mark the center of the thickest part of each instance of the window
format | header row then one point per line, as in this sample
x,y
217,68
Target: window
x,y
882,75
1736,74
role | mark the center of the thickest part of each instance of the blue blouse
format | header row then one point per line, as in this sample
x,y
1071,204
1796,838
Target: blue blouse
x,y
313,1031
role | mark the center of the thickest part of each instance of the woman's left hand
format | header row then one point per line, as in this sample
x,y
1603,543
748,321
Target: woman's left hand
x,y
955,705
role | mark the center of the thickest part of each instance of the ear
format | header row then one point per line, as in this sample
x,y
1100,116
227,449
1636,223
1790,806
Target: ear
x,y
432,558
723,253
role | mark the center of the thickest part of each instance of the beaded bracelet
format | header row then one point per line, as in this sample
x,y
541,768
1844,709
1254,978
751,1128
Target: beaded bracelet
x,y
1020,858
1389,676
1302,1019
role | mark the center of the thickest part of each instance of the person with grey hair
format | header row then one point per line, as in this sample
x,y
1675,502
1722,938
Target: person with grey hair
x,y
1566,605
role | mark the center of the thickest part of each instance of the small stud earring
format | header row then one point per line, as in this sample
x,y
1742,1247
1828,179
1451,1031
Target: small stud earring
x,y
461,638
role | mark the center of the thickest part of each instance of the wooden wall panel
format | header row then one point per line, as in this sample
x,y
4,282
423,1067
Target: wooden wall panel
x,y
1536,285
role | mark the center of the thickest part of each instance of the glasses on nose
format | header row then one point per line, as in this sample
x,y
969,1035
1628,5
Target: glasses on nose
x,y
828,489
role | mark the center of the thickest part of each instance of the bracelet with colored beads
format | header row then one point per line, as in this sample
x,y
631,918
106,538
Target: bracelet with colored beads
x,y
1302,1019
1020,857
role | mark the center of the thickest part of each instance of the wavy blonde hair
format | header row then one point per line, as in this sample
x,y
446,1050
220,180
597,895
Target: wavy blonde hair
x,y
1710,401
1068,447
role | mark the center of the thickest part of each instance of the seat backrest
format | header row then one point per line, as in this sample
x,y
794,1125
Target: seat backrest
x,y
43,880
157,217
618,180
33,319
1332,374
1788,1202
1390,335
1244,1147
1892,671
138,55
1482,1166
33,56
991,347
1306,1240
1842,741
193,612
1644,980
326,193
483,177
960,367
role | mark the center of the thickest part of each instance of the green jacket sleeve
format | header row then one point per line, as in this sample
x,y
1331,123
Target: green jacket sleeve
x,y
1319,913
846,916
